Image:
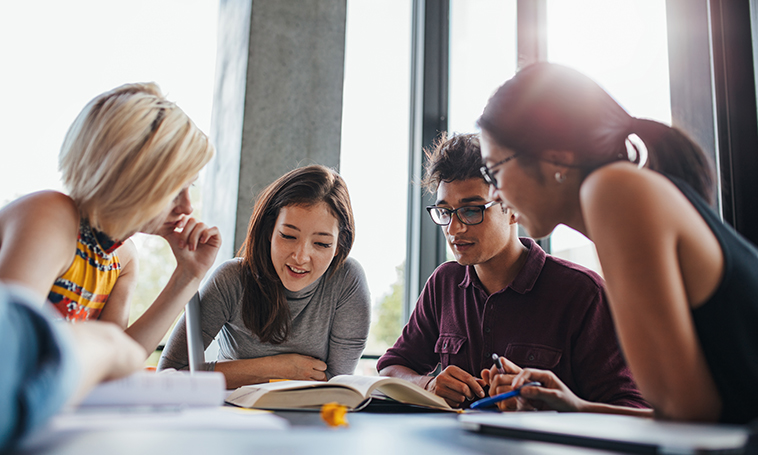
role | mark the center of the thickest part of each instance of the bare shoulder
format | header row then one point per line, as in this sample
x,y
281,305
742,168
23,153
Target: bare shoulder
x,y
38,235
621,190
623,182
49,210
128,255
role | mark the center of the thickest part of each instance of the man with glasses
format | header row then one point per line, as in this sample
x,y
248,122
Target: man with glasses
x,y
502,295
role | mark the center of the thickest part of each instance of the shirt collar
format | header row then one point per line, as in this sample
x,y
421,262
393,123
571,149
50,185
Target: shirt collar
x,y
307,291
103,245
524,281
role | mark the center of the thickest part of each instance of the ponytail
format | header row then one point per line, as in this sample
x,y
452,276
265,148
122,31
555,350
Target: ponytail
x,y
552,107
671,152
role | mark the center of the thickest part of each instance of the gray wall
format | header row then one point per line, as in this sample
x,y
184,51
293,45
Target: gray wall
x,y
277,102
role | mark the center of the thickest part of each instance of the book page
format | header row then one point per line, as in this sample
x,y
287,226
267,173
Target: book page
x,y
294,395
395,388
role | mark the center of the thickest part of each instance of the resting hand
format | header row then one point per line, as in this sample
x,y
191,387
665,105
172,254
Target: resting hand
x,y
553,394
456,386
194,247
105,352
501,382
300,367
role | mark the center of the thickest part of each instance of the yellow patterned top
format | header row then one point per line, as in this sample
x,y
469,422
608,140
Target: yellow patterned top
x,y
82,291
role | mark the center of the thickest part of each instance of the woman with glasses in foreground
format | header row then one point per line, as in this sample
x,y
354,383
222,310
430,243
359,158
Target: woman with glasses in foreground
x,y
293,305
682,286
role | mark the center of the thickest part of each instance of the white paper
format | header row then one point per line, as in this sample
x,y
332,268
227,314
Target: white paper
x,y
148,389
220,418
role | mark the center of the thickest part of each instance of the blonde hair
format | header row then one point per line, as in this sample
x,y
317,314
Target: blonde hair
x,y
127,155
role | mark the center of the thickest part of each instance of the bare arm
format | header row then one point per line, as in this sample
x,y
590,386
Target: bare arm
x,y
553,394
636,219
282,366
117,308
38,235
195,248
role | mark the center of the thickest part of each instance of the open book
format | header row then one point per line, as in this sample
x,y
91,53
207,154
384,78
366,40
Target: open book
x,y
348,390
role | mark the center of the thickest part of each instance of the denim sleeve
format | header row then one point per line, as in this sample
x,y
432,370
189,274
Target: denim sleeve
x,y
38,370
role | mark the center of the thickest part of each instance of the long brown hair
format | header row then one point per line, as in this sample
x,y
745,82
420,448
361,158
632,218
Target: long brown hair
x,y
264,305
551,107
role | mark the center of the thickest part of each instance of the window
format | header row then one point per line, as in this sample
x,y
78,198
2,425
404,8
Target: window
x,y
374,155
632,67
59,55
482,57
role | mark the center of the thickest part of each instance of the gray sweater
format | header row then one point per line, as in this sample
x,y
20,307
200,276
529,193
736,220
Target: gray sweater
x,y
330,320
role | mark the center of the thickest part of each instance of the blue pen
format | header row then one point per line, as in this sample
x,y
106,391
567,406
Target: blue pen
x,y
485,402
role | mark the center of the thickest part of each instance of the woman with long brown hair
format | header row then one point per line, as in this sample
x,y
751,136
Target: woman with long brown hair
x,y
293,305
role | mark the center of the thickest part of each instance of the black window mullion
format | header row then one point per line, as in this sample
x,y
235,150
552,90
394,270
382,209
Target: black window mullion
x,y
429,104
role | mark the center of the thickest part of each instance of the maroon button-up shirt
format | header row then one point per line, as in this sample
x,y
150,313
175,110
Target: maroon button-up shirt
x,y
553,316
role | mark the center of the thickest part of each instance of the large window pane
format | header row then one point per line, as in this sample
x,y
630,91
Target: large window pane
x,y
482,56
374,155
622,45
58,55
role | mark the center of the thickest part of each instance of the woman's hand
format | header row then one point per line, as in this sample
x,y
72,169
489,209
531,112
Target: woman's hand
x,y
104,352
195,247
300,367
553,394
501,382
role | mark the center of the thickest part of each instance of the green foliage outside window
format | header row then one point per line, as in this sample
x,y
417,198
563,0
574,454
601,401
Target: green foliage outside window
x,y
389,311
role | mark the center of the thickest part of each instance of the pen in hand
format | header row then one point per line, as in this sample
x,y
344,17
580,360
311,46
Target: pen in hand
x,y
491,401
498,363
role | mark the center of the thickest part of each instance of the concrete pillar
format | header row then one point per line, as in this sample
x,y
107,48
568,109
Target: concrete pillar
x,y
277,103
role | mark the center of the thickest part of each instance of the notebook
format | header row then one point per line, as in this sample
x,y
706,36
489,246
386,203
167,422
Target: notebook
x,y
612,432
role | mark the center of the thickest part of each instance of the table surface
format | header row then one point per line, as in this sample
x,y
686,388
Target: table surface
x,y
367,433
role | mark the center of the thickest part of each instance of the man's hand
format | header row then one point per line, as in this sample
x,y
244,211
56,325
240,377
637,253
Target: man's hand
x,y
456,386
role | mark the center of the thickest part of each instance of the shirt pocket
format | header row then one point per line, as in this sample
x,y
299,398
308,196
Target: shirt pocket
x,y
533,355
449,347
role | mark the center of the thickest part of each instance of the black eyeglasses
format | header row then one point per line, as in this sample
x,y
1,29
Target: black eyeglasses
x,y
487,171
470,214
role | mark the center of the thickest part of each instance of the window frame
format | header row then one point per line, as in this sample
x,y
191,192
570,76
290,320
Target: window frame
x,y
713,98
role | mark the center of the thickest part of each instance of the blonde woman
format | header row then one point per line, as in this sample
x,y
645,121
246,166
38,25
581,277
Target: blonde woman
x,y
127,162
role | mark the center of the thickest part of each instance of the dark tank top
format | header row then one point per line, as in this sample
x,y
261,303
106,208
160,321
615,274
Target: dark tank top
x,y
727,324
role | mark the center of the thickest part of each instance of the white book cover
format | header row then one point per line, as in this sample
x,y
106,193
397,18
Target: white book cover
x,y
149,389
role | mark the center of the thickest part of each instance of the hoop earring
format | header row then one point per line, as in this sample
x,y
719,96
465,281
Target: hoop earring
x,y
559,177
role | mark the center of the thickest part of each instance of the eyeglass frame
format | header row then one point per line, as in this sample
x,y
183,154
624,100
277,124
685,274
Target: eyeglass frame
x,y
487,170
483,207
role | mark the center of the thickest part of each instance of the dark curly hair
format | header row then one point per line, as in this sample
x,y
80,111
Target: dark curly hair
x,y
449,159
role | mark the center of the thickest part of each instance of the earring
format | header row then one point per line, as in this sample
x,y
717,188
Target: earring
x,y
559,177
